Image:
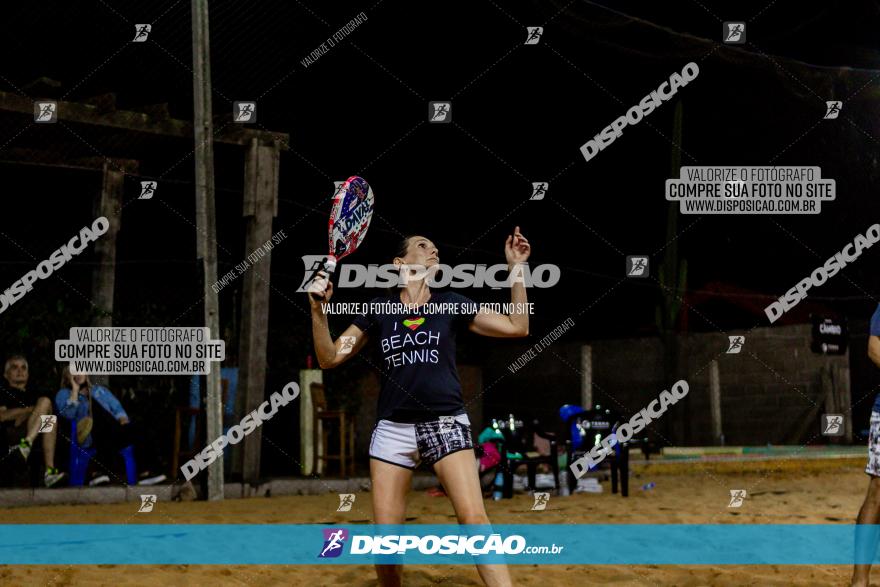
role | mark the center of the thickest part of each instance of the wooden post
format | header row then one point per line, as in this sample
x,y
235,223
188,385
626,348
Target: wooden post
x,y
307,419
835,385
104,274
715,403
109,205
206,229
841,376
260,207
826,378
587,377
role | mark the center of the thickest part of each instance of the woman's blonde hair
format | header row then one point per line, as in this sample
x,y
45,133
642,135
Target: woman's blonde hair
x,y
67,379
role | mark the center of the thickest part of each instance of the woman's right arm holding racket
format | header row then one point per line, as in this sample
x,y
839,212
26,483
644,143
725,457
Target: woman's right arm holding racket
x,y
328,351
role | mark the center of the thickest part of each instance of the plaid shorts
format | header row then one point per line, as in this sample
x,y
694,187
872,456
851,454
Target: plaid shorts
x,y
873,467
409,445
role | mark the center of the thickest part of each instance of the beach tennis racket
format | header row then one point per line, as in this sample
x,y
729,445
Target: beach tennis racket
x,y
350,217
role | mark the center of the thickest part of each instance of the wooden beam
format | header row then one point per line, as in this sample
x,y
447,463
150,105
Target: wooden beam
x,y
50,158
73,112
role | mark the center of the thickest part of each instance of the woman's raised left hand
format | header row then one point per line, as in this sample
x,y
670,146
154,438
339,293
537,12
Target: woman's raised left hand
x,y
517,248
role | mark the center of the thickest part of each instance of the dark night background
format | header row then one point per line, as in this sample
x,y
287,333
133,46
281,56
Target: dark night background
x,y
520,114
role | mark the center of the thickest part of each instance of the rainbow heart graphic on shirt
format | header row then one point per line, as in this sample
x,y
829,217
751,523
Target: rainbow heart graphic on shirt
x,y
413,324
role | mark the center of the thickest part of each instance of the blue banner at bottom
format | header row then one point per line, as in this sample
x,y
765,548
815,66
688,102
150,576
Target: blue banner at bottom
x,y
300,544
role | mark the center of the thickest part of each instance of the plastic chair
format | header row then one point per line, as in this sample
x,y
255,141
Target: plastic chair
x,y
522,440
80,458
583,429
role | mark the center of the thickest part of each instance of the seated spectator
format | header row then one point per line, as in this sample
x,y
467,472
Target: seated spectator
x,y
110,424
24,407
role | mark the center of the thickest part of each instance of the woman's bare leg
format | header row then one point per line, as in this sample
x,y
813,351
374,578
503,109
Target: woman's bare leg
x,y
462,484
390,487
868,514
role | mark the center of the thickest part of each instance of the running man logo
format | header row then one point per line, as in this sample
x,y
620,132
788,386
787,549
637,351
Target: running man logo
x,y
832,425
833,109
541,501
447,423
736,498
147,503
141,32
148,188
47,423
313,264
334,541
734,33
736,344
533,34
636,266
45,112
346,500
347,344
244,112
440,112
539,189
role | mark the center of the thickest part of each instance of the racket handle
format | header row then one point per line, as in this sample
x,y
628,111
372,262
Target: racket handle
x,y
329,267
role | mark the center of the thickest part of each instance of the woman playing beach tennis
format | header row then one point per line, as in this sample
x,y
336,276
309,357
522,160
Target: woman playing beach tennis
x,y
421,415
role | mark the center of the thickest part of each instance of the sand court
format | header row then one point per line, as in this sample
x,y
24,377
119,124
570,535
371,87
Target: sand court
x,y
779,492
